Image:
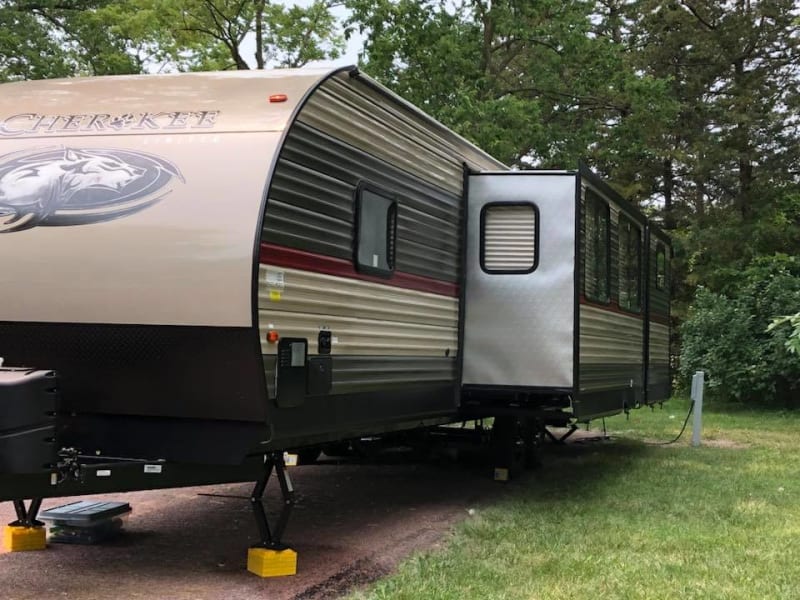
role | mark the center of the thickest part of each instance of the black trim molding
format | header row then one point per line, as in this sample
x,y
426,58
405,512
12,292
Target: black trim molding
x,y
390,233
486,207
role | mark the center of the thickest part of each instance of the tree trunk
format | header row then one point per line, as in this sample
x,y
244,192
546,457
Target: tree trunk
x,y
743,144
260,4
669,186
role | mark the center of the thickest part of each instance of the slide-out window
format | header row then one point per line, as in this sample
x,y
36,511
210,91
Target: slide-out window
x,y
509,238
630,264
376,232
661,267
596,249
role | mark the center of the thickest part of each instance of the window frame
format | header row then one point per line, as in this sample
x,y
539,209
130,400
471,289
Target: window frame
x,y
390,234
624,219
592,200
482,238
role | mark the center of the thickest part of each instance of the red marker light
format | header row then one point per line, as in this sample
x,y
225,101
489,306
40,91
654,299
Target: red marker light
x,y
278,98
272,336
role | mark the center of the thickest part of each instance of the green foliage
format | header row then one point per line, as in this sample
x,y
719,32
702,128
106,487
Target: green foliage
x,y
299,35
721,243
497,73
54,38
792,342
205,35
727,335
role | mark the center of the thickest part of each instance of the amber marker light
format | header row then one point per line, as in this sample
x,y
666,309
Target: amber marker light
x,y
278,98
272,336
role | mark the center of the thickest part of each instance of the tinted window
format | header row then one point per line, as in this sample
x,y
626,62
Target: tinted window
x,y
596,249
377,224
661,267
630,257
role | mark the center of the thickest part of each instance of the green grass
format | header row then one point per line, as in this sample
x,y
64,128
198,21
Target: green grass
x,y
626,519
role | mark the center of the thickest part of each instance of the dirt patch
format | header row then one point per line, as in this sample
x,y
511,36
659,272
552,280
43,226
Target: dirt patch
x,y
352,525
360,573
723,443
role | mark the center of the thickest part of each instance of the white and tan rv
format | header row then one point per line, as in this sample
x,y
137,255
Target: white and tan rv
x,y
199,270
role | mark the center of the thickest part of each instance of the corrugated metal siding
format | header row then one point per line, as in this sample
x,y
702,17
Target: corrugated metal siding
x,y
658,371
363,336
311,199
609,336
433,132
509,238
364,317
355,374
317,293
402,117
611,346
609,376
349,133
343,112
659,343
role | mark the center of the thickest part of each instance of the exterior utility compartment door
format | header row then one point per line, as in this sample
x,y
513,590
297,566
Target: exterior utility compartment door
x,y
520,278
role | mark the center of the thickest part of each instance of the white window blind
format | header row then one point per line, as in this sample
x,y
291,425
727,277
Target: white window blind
x,y
509,238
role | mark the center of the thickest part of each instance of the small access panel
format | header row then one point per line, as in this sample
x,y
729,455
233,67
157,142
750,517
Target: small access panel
x,y
299,375
320,368
292,372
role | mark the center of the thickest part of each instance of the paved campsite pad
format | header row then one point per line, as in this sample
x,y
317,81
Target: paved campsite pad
x,y
352,524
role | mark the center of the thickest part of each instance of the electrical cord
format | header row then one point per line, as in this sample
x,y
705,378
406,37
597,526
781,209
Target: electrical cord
x,y
677,437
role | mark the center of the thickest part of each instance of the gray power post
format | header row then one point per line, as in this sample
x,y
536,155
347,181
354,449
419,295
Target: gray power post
x,y
698,381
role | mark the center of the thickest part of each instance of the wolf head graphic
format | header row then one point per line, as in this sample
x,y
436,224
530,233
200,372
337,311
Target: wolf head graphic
x,y
79,186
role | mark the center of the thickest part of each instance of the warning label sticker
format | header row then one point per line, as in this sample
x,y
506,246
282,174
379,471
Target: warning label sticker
x,y
275,279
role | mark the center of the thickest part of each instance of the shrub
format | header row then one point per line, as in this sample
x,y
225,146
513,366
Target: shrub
x,y
728,335
792,342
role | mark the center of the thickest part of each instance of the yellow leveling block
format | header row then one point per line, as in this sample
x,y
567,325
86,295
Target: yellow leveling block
x,y
17,538
265,562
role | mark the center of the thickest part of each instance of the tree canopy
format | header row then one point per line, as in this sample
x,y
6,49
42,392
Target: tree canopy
x,y
57,38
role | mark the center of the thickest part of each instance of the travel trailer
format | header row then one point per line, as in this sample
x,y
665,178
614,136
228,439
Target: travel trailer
x,y
200,271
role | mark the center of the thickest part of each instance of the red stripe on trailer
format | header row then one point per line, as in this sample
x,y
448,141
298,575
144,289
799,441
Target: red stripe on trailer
x,y
291,258
660,319
612,307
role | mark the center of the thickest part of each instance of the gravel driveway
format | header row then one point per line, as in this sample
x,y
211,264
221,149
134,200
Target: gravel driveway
x,y
352,524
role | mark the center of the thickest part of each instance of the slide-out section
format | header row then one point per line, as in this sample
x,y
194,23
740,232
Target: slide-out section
x,y
519,310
